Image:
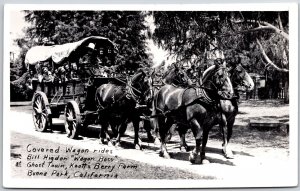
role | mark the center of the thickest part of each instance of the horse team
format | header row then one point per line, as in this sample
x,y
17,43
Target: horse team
x,y
178,102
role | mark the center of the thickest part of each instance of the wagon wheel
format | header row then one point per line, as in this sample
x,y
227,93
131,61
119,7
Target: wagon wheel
x,y
72,119
41,112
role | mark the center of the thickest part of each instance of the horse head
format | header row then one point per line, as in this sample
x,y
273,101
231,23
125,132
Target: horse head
x,y
216,79
141,85
240,78
177,76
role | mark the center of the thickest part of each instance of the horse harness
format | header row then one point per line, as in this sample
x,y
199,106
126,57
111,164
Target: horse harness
x,y
202,97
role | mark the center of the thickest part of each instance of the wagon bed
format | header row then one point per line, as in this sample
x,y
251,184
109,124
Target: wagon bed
x,y
59,91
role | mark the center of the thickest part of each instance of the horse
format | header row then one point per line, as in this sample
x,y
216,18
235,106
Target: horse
x,y
177,78
119,105
241,81
192,107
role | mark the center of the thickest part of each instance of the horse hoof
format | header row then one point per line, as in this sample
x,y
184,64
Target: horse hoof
x,y
192,157
184,149
110,144
138,147
113,141
104,141
192,160
166,155
157,141
205,161
228,154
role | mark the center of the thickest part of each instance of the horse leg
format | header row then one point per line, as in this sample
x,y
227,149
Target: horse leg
x,y
154,124
163,130
171,131
204,141
183,146
137,140
197,131
104,137
121,130
147,127
114,129
227,132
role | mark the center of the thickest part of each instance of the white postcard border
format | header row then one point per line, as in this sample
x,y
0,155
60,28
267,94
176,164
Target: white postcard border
x,y
83,183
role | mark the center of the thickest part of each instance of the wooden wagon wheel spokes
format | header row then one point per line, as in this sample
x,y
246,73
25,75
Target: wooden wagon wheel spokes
x,y
72,119
40,113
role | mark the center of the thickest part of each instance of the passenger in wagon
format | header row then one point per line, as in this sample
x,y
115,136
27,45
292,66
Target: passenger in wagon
x,y
67,70
85,62
39,72
74,71
62,74
47,75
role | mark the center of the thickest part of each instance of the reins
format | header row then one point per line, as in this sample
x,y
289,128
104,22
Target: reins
x,y
126,83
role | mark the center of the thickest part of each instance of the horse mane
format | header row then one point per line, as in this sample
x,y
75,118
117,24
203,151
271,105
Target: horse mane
x,y
137,75
207,72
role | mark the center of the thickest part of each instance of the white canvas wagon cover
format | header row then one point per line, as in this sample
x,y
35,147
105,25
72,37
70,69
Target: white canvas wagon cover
x,y
59,52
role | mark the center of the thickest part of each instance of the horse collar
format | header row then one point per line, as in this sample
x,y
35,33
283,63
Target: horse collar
x,y
202,95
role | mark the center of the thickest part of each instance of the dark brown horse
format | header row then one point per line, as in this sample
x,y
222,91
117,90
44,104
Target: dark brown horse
x,y
176,77
241,81
191,108
119,105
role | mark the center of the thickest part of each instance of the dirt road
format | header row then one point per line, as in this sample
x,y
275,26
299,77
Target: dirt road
x,y
261,157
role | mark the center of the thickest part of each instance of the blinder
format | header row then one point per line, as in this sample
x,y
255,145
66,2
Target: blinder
x,y
141,89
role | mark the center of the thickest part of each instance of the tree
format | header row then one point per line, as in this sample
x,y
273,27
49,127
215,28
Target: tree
x,y
124,28
260,37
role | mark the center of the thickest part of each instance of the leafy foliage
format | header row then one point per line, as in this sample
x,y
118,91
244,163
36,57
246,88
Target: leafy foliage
x,y
188,33
124,28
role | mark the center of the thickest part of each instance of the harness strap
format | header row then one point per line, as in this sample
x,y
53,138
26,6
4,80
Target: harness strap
x,y
113,96
130,93
201,96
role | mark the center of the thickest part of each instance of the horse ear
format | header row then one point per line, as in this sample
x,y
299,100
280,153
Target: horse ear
x,y
217,65
140,70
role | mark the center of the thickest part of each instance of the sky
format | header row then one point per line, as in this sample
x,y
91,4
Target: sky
x,y
159,54
17,25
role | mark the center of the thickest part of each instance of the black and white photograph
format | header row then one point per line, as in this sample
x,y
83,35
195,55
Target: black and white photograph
x,y
150,96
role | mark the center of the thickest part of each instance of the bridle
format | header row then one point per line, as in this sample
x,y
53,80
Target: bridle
x,y
239,80
139,90
178,80
222,94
